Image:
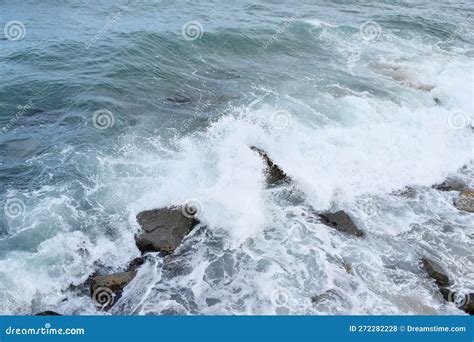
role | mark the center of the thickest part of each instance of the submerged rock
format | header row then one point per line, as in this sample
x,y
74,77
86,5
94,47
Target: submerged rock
x,y
163,229
407,192
463,301
436,272
348,268
106,289
341,222
135,263
451,184
465,201
178,99
402,74
116,282
212,301
274,173
331,295
47,313
468,304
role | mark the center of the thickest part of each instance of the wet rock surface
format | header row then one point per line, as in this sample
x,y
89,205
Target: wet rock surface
x,y
436,272
212,301
330,295
463,301
341,222
468,306
274,173
107,289
47,313
465,201
115,282
407,192
163,230
136,263
451,184
178,99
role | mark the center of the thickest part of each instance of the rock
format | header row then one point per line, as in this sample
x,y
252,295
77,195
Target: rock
x,y
47,313
135,264
163,229
178,99
468,306
116,282
406,76
348,268
407,192
212,301
325,296
465,201
436,272
106,289
451,184
341,222
274,173
463,301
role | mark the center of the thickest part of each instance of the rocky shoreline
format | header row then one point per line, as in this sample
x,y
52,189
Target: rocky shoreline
x,y
164,229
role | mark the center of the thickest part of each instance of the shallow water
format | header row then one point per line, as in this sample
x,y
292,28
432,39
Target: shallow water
x,y
351,113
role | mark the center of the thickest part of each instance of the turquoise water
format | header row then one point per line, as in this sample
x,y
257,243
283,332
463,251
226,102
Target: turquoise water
x,y
142,104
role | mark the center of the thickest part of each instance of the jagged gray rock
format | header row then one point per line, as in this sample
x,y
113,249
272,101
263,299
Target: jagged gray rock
x,y
178,99
465,201
468,306
451,184
464,301
47,313
163,229
107,289
274,173
436,272
115,282
341,222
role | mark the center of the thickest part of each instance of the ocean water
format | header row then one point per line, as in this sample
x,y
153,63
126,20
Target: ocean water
x,y
111,108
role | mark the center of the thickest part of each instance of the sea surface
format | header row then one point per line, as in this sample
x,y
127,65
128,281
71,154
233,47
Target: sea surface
x,y
108,108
